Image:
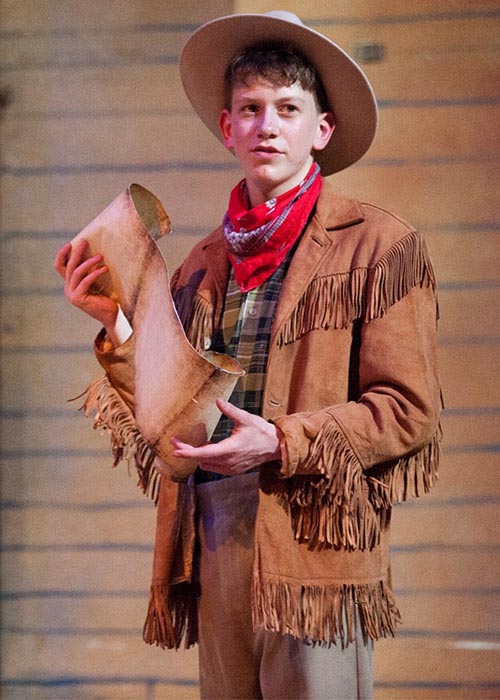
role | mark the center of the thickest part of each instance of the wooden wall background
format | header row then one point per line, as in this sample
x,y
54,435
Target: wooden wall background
x,y
92,102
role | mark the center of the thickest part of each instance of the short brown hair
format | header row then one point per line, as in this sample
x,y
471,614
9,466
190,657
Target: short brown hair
x,y
281,64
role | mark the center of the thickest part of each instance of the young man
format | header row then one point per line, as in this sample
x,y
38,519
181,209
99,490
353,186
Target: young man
x,y
329,305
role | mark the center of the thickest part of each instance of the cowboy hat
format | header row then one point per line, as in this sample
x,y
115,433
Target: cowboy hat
x,y
211,47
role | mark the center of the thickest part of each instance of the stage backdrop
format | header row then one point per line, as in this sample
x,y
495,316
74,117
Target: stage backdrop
x,y
91,101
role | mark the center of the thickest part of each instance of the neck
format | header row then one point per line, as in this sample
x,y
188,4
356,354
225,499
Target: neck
x,y
259,193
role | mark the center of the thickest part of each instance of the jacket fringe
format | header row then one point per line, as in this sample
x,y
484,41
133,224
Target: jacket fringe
x,y
325,615
200,326
112,414
347,507
332,510
410,477
324,524
404,266
335,301
172,616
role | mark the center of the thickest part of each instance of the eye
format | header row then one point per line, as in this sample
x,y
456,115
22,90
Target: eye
x,y
289,108
250,108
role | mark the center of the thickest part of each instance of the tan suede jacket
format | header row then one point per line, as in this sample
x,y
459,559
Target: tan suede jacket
x,y
352,385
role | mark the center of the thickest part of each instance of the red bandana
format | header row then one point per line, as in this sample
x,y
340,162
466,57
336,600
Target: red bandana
x,y
258,239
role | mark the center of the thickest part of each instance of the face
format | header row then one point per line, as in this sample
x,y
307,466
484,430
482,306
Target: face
x,y
273,132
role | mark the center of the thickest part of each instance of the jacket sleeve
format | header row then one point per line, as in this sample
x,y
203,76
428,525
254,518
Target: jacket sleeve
x,y
118,363
398,408
349,462
110,399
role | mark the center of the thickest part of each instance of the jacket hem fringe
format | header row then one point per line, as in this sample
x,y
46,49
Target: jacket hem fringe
x,y
172,616
325,615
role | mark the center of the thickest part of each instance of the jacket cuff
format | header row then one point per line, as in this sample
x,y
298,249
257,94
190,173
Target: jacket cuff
x,y
315,444
118,363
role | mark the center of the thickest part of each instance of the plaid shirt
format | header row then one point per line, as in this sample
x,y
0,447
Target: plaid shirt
x,y
245,333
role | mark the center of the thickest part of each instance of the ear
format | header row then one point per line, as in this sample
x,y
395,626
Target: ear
x,y
225,128
326,127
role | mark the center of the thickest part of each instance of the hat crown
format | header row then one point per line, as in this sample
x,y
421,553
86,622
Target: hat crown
x,y
284,15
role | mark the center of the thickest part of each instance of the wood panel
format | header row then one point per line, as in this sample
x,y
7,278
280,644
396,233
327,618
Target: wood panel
x,y
441,568
437,187
72,569
107,90
353,10
470,374
438,184
132,141
100,657
447,526
69,479
44,380
125,526
116,688
465,256
144,88
96,103
475,428
441,660
112,142
70,202
468,475
48,16
439,611
30,271
75,432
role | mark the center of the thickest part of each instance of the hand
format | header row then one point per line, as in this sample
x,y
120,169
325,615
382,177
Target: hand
x,y
79,275
252,442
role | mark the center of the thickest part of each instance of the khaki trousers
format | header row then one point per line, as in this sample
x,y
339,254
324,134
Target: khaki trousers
x,y
235,662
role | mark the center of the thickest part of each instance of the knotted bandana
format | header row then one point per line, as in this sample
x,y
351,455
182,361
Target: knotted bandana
x,y
259,238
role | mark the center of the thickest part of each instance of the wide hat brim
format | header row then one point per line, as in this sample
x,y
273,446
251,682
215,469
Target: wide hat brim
x,y
210,48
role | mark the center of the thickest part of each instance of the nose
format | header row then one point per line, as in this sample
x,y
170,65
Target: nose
x,y
268,124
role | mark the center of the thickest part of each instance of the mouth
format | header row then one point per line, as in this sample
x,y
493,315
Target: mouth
x,y
267,150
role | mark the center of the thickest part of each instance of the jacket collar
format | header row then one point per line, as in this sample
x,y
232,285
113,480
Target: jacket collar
x,y
334,211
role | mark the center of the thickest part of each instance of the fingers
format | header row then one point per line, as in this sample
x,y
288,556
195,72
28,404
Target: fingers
x,y
81,277
237,415
214,457
78,265
61,259
209,451
68,257
252,442
79,272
